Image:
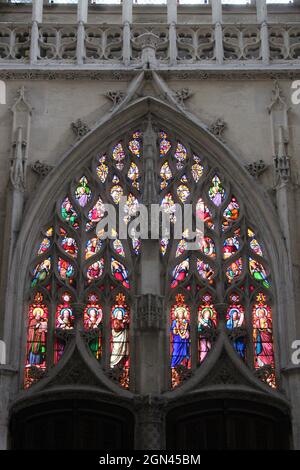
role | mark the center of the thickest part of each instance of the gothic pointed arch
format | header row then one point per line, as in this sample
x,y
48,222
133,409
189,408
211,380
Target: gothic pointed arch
x,y
103,165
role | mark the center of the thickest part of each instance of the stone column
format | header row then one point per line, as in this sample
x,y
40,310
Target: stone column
x,y
82,13
150,343
172,21
150,423
126,21
7,377
37,18
262,19
216,7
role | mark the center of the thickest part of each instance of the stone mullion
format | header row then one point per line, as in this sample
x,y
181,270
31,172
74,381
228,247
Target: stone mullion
x,y
247,303
220,278
106,335
54,298
51,325
82,239
194,336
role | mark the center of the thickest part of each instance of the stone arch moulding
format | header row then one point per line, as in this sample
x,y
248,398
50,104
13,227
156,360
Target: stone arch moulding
x,y
111,126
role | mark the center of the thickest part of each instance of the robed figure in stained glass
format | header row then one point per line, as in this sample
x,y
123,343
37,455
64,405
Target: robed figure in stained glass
x,y
263,337
180,331
37,334
235,320
119,336
206,324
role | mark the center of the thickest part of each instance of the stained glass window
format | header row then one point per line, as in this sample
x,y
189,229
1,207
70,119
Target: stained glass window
x,y
226,265
80,280
217,277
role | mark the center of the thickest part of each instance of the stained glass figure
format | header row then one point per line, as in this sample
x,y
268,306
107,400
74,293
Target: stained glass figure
x,y
95,214
64,313
263,336
230,247
169,207
183,192
197,168
102,169
118,247
203,213
136,242
231,214
133,175
95,270
180,338
181,247
235,321
66,270
69,245
165,175
69,214
44,246
130,207
92,318
258,272
207,246
207,323
119,355
116,193
83,192
118,155
164,144
119,272
64,320
164,243
254,245
216,191
135,144
41,272
93,246
180,155
234,270
36,349
49,232
180,273
205,271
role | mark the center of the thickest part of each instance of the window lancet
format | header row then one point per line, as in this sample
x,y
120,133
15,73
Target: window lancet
x,y
82,280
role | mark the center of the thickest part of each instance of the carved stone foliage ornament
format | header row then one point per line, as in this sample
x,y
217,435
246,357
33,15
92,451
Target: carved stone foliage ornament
x,y
80,128
256,168
42,169
218,127
182,95
116,96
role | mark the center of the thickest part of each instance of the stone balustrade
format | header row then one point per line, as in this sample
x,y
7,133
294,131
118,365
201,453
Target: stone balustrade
x,y
166,42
